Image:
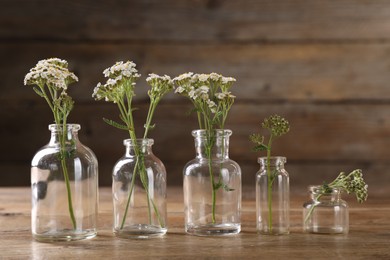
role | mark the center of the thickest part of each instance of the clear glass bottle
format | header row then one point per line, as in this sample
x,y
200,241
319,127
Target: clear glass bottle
x,y
139,192
325,213
212,187
272,197
64,186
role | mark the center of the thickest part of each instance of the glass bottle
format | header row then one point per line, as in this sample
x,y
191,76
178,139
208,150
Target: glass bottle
x,y
325,213
272,197
139,192
212,187
64,182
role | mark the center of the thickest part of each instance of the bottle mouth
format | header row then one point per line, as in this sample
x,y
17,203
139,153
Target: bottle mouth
x,y
139,142
202,133
69,127
319,189
274,160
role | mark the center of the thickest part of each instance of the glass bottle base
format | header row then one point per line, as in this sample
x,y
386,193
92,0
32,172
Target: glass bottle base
x,y
273,233
213,229
140,231
326,230
64,235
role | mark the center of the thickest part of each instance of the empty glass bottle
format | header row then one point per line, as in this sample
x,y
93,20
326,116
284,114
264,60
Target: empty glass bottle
x,y
212,187
139,192
325,213
272,197
64,182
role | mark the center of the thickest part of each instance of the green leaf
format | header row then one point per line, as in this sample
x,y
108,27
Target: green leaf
x,y
39,92
115,124
226,188
151,127
194,110
260,147
217,186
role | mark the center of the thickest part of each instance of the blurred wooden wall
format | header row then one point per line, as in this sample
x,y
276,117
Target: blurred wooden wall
x,y
324,65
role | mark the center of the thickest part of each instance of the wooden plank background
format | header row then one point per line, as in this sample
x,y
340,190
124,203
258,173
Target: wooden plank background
x,y
324,65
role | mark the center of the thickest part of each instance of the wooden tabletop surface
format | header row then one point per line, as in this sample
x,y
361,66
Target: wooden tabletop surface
x,y
369,236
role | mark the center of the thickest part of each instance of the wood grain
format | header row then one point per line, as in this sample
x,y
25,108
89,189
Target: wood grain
x,y
343,137
196,20
265,73
321,64
368,237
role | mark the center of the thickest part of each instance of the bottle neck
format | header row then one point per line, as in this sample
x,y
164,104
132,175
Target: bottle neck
x,y
138,147
212,145
275,162
318,194
67,135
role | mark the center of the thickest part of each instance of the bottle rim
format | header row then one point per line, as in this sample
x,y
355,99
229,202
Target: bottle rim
x,y
219,132
139,142
273,159
69,127
317,189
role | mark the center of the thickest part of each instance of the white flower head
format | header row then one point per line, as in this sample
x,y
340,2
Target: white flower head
x,y
200,93
224,95
203,77
226,80
126,69
215,76
184,76
212,105
53,72
179,90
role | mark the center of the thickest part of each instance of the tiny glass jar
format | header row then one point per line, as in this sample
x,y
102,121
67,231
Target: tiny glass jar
x,y
212,187
139,192
272,197
64,184
325,213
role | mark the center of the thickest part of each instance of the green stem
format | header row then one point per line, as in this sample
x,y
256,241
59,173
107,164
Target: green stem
x,y
213,193
269,183
65,172
140,163
312,208
130,193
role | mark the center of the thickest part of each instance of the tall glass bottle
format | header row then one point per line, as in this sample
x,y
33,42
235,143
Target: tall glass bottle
x,y
325,213
212,187
64,182
139,192
272,197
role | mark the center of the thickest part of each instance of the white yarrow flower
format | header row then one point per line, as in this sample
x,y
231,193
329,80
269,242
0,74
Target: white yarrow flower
x,y
184,76
215,76
203,77
226,80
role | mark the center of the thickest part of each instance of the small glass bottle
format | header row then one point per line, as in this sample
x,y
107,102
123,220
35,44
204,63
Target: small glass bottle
x,y
64,183
325,213
139,192
212,187
272,197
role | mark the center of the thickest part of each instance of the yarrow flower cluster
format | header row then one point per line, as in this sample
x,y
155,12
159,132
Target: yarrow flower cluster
x,y
121,80
351,183
210,95
212,100
52,77
119,89
277,126
52,72
160,85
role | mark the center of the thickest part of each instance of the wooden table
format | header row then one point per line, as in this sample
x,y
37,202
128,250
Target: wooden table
x,y
369,236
